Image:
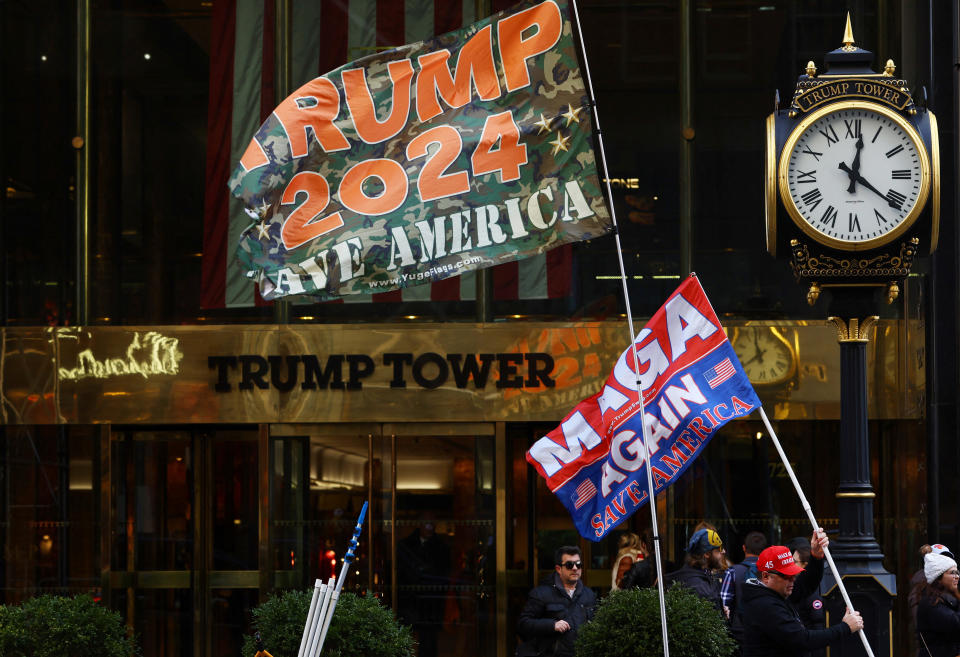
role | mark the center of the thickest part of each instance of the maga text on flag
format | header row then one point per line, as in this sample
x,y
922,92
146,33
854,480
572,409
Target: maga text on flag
x,y
692,384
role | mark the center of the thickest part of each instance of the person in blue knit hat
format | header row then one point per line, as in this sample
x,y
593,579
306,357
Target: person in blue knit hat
x,y
702,570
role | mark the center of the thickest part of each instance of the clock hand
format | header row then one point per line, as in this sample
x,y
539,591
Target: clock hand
x,y
855,167
863,181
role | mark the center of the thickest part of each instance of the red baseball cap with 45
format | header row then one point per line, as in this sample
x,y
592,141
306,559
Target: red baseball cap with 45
x,y
778,558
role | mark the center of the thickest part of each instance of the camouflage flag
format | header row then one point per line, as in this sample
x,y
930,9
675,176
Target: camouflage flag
x,y
424,162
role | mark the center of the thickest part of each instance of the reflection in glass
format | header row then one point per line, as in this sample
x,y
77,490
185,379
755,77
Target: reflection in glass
x,y
163,621
49,533
229,610
318,484
445,546
235,494
153,516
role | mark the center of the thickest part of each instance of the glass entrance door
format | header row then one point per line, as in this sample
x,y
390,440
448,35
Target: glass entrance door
x,y
445,542
184,556
428,549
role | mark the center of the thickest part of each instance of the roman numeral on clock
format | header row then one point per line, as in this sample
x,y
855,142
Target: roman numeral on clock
x,y
876,134
806,176
853,128
832,137
829,217
853,223
895,199
893,151
900,174
812,198
881,220
815,154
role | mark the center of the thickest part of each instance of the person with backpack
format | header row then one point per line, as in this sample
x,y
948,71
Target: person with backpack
x,y
731,590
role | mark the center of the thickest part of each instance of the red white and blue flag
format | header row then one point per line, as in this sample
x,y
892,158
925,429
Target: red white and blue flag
x,y
692,385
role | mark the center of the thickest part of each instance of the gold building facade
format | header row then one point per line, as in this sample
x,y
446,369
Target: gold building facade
x,y
181,450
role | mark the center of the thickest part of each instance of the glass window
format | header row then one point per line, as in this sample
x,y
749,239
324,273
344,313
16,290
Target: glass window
x,y
153,475
50,531
234,504
37,233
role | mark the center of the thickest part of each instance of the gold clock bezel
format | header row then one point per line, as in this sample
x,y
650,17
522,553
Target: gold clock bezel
x,y
934,181
770,186
777,335
846,245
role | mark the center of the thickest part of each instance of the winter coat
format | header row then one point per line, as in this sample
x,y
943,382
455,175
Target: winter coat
x,y
547,604
740,573
938,626
772,626
633,553
704,583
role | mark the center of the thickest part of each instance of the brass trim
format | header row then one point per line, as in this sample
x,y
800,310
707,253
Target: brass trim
x,y
770,186
234,579
868,496
393,523
855,331
890,627
265,582
82,162
106,510
935,181
791,206
202,446
501,467
371,513
323,430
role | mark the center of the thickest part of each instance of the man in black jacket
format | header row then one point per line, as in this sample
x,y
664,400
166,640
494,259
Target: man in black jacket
x,y
556,609
772,626
701,570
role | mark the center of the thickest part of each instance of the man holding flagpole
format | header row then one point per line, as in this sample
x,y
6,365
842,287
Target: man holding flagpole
x,y
772,625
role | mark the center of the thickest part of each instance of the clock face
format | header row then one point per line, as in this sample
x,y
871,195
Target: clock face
x,y
854,175
766,356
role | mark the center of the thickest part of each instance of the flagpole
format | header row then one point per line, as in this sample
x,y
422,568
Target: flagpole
x,y
813,521
633,345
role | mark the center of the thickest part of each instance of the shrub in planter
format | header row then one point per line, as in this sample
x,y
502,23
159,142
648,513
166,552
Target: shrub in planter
x,y
360,627
55,626
627,624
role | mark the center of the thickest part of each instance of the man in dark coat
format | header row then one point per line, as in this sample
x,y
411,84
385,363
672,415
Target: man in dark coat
x,y
772,625
556,609
736,576
701,568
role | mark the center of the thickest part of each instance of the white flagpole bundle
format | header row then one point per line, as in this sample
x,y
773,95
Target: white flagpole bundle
x,y
324,599
813,521
636,359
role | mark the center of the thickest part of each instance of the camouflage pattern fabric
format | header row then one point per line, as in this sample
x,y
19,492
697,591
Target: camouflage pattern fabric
x,y
298,244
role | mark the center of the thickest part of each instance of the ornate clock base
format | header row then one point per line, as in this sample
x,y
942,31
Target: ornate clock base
x,y
829,270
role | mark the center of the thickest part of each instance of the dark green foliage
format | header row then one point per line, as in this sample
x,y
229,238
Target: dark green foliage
x,y
360,627
627,624
54,626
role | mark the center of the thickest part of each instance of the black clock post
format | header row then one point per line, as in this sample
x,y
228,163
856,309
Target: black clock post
x,y
827,213
854,547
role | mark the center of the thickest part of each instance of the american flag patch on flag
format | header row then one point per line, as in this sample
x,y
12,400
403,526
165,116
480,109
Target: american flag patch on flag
x,y
719,373
583,493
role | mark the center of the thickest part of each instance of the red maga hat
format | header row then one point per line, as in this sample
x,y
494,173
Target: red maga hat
x,y
778,558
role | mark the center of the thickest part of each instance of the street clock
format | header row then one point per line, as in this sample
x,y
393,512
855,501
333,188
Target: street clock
x,y
851,175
